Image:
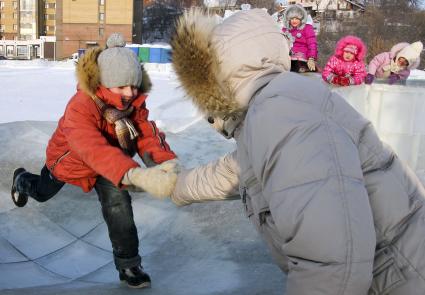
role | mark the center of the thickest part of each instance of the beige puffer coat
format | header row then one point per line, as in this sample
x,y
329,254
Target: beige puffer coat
x,y
340,212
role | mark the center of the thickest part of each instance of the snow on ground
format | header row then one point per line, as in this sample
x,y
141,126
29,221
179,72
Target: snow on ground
x,y
39,90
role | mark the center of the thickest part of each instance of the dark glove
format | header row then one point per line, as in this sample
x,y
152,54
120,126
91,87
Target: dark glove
x,y
369,79
335,80
393,78
344,81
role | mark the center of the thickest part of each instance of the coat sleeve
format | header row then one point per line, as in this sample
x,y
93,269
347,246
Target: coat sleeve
x,y
218,180
404,74
151,140
329,70
85,139
310,176
376,62
359,73
311,41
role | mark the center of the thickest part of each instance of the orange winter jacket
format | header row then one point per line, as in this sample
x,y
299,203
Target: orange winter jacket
x,y
84,145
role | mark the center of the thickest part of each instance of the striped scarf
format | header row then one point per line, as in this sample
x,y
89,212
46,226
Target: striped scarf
x,y
124,128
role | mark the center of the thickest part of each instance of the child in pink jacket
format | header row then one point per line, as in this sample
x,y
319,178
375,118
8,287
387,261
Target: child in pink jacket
x,y
396,64
346,67
304,48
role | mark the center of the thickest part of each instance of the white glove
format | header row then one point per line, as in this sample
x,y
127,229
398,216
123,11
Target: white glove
x,y
159,181
311,64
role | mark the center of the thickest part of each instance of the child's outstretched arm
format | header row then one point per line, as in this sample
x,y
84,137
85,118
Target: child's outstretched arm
x,y
311,42
328,73
151,140
376,62
218,180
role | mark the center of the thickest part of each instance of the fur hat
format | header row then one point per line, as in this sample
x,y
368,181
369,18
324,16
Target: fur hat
x,y
221,66
411,52
295,11
118,65
89,74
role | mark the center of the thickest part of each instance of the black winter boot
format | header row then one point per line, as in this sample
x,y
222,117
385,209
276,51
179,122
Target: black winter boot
x,y
20,199
135,277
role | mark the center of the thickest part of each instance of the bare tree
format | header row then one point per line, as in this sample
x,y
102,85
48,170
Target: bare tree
x,y
269,4
317,2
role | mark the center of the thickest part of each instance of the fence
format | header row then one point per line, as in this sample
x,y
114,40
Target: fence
x,y
147,54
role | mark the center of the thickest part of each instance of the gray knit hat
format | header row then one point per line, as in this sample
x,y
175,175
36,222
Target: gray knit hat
x,y
118,65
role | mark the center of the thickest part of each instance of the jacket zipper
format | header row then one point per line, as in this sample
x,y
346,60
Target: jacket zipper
x,y
58,160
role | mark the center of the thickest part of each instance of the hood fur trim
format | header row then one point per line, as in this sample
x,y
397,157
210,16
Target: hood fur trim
x,y
351,40
88,75
295,10
197,65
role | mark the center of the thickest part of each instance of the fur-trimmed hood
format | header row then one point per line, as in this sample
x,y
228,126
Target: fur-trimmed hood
x,y
88,74
351,40
221,66
297,11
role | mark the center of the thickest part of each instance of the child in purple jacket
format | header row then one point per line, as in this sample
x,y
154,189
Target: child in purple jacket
x,y
396,64
304,48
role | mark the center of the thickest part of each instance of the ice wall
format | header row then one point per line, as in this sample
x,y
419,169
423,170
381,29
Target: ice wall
x,y
398,115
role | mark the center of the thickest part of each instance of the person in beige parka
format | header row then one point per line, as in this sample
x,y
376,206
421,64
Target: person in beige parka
x,y
340,212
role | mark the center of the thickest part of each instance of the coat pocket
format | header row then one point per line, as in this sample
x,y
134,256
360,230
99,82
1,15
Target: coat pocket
x,y
386,273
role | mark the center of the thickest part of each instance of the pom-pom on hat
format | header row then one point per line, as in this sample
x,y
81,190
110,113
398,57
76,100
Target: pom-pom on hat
x,y
118,65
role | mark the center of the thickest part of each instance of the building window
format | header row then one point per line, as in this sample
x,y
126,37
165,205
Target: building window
x,y
49,5
15,15
15,4
101,2
101,32
1,4
3,15
49,17
2,28
101,16
15,27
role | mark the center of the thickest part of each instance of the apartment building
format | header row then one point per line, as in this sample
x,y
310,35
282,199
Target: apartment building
x,y
86,23
69,24
9,20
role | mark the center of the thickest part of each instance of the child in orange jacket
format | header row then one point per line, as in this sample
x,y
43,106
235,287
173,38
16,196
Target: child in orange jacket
x,y
105,123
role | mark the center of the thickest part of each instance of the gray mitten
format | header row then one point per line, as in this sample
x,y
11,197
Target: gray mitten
x,y
159,181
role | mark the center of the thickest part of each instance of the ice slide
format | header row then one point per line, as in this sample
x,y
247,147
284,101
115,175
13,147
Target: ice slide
x,y
62,247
